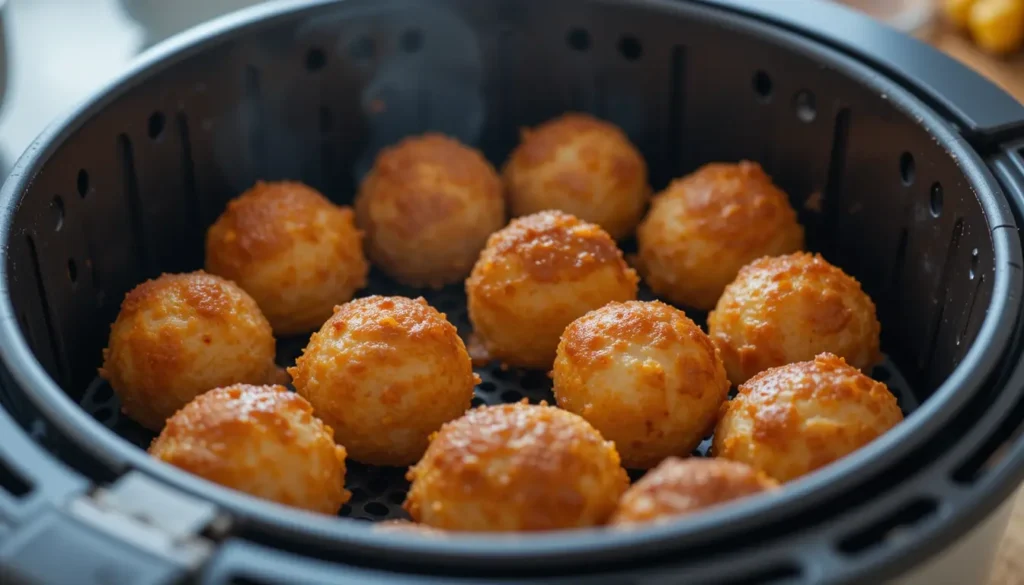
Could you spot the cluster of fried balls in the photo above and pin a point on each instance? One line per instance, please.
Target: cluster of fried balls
(387, 380)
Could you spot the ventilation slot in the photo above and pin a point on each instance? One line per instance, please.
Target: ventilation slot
(247, 581)
(130, 188)
(961, 337)
(775, 574)
(944, 283)
(676, 108)
(836, 171)
(188, 173)
(12, 482)
(888, 528)
(58, 355)
(254, 118)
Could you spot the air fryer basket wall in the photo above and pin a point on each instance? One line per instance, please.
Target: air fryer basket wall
(125, 188)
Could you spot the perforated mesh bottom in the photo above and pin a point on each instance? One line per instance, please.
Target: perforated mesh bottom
(378, 492)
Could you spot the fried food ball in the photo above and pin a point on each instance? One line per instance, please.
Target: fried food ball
(516, 467)
(793, 419)
(957, 11)
(645, 375)
(261, 440)
(180, 335)
(677, 487)
(537, 275)
(791, 308)
(997, 26)
(385, 373)
(427, 207)
(581, 165)
(294, 251)
(707, 225)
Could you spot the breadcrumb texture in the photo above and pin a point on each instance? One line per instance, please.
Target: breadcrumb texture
(537, 275)
(293, 250)
(645, 375)
(261, 440)
(179, 335)
(791, 420)
(385, 373)
(516, 467)
(581, 165)
(790, 308)
(428, 206)
(677, 487)
(707, 225)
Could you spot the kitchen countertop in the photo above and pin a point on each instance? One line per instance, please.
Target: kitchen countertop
(54, 61)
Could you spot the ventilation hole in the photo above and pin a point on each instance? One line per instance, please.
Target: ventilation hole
(376, 509)
(156, 124)
(57, 207)
(534, 381)
(630, 48)
(412, 40)
(908, 170)
(781, 572)
(805, 107)
(103, 394)
(487, 387)
(359, 494)
(346, 510)
(72, 271)
(881, 373)
(13, 483)
(324, 120)
(888, 528)
(511, 396)
(377, 486)
(935, 199)
(315, 59)
(103, 414)
(763, 86)
(83, 182)
(363, 49)
(974, 264)
(476, 401)
(578, 39)
(504, 374)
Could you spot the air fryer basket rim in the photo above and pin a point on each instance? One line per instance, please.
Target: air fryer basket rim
(113, 451)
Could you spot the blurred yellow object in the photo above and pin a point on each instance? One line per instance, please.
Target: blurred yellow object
(997, 25)
(958, 11)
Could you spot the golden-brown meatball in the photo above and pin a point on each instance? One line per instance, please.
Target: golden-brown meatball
(294, 251)
(536, 276)
(788, 309)
(385, 373)
(180, 335)
(261, 440)
(682, 486)
(516, 467)
(582, 166)
(427, 207)
(706, 226)
(645, 376)
(793, 419)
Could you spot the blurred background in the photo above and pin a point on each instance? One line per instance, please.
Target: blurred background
(58, 51)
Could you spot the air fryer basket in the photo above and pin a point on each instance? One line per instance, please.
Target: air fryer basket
(892, 167)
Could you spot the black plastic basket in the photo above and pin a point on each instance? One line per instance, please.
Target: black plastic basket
(913, 156)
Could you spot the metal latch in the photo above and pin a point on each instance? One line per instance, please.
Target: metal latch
(141, 511)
